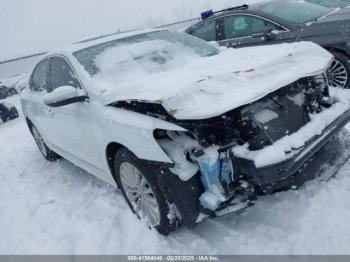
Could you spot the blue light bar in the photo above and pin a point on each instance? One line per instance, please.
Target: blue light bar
(207, 14)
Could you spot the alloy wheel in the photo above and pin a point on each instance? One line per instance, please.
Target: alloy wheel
(337, 74)
(139, 193)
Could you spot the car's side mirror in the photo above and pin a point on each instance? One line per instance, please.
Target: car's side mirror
(64, 95)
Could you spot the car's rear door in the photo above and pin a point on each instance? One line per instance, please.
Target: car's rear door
(240, 30)
(32, 101)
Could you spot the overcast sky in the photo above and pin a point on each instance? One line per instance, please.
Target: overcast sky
(29, 26)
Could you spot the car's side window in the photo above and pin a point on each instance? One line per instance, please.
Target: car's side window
(237, 26)
(61, 74)
(206, 31)
(39, 80)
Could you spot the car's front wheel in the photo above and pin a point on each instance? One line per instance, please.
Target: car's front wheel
(43, 148)
(146, 197)
(339, 71)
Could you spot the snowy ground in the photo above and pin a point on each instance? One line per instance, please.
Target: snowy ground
(57, 208)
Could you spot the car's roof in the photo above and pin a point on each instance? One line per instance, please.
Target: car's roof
(251, 8)
(96, 40)
(255, 7)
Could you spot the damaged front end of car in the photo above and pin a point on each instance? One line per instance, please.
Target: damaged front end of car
(222, 164)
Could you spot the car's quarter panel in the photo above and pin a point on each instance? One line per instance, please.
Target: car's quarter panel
(35, 109)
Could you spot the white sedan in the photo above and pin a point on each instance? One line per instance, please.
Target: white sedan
(185, 129)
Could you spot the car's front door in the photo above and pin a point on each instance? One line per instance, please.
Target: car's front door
(241, 30)
(72, 124)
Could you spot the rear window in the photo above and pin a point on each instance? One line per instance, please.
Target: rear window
(296, 12)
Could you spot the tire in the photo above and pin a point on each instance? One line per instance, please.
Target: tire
(13, 113)
(127, 165)
(6, 116)
(339, 71)
(43, 148)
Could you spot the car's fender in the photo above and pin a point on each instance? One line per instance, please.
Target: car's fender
(135, 132)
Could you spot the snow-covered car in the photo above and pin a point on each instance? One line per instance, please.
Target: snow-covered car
(7, 112)
(185, 129)
(6, 91)
(13, 85)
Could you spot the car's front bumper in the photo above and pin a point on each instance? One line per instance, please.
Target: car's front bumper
(289, 173)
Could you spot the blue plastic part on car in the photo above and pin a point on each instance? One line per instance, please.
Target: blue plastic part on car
(215, 173)
(207, 14)
(226, 173)
(210, 173)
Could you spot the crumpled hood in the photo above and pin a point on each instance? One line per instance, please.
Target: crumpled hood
(211, 86)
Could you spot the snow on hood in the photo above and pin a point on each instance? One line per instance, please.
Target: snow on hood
(210, 86)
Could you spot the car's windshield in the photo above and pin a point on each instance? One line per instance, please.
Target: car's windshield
(331, 3)
(141, 55)
(296, 12)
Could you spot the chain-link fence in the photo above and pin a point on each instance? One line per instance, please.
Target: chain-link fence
(11, 70)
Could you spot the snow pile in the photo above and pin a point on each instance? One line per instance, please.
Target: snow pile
(213, 85)
(288, 146)
(176, 148)
(265, 116)
(212, 197)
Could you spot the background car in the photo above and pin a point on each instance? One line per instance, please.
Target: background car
(6, 91)
(331, 3)
(7, 112)
(283, 21)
